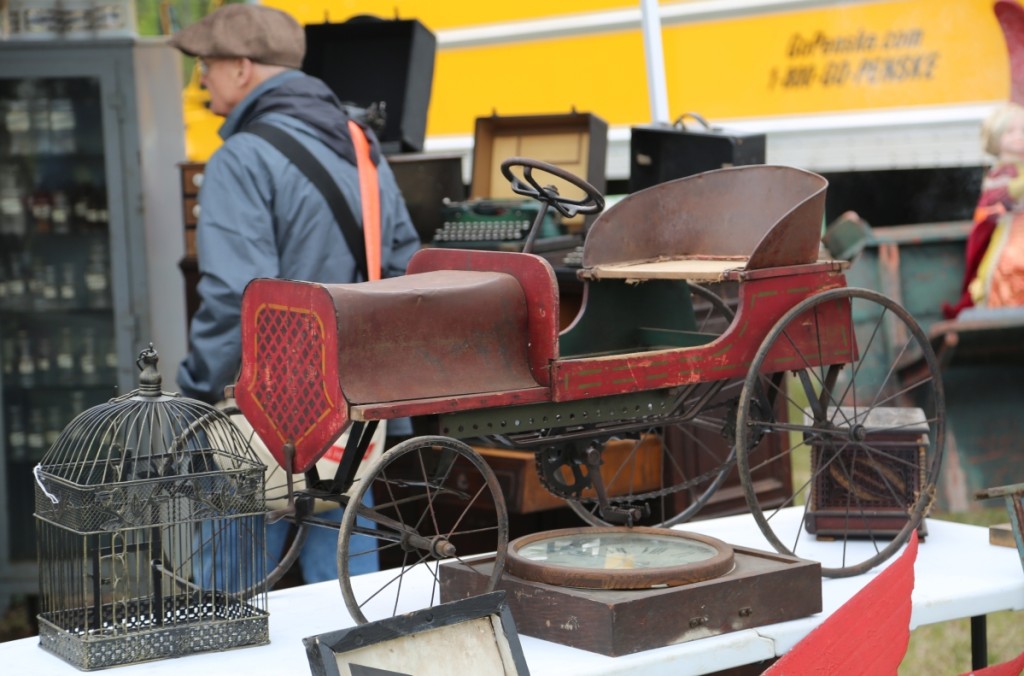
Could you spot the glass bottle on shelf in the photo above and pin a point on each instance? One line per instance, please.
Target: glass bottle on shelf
(16, 438)
(10, 359)
(41, 206)
(62, 120)
(17, 286)
(44, 362)
(87, 361)
(39, 114)
(68, 286)
(26, 361)
(65, 357)
(103, 214)
(13, 219)
(97, 280)
(50, 287)
(80, 209)
(92, 209)
(18, 121)
(35, 285)
(60, 214)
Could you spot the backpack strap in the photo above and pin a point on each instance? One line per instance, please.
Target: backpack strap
(369, 192)
(356, 238)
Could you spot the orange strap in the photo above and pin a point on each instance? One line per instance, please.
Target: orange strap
(369, 193)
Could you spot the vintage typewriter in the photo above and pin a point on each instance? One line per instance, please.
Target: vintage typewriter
(499, 225)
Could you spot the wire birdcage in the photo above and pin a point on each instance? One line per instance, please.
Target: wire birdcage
(151, 536)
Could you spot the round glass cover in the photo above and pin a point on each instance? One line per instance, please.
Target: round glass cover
(618, 558)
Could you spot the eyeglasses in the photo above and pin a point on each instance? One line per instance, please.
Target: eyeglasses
(204, 67)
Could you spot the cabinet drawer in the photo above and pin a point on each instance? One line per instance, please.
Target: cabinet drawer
(191, 209)
(191, 178)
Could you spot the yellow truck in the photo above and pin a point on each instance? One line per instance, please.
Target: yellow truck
(837, 86)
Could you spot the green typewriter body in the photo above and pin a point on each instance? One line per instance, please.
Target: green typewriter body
(499, 225)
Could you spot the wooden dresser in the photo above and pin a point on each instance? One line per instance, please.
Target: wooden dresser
(191, 180)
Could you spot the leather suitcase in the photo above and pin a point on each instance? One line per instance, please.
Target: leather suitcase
(663, 152)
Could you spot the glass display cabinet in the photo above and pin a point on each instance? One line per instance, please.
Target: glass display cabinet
(90, 136)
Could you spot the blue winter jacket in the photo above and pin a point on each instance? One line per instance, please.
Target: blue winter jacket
(261, 217)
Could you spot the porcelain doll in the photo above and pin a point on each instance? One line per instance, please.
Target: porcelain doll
(994, 265)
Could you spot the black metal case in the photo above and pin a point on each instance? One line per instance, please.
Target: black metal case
(663, 152)
(368, 61)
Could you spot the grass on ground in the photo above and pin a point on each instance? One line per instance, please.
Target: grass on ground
(944, 649)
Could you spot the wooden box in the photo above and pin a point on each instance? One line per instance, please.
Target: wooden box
(854, 496)
(524, 493)
(575, 142)
(763, 588)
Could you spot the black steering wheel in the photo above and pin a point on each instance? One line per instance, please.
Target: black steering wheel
(528, 186)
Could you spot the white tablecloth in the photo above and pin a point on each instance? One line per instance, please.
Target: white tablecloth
(958, 574)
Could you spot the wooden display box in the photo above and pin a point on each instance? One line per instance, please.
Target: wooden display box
(866, 505)
(763, 588)
(575, 142)
(524, 493)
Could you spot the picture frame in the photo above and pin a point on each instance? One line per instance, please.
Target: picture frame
(472, 635)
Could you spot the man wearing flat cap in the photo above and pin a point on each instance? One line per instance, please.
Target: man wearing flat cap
(260, 216)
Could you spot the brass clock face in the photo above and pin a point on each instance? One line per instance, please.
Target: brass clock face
(618, 558)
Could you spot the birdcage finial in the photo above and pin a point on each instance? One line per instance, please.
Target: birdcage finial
(150, 381)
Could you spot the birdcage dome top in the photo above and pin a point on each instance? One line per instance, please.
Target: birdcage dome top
(146, 434)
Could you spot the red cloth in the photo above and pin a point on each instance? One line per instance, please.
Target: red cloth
(867, 636)
(995, 201)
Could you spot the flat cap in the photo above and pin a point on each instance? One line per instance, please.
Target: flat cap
(262, 34)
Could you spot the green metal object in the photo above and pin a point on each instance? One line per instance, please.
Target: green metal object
(1014, 497)
(922, 266)
(919, 266)
(624, 317)
(533, 417)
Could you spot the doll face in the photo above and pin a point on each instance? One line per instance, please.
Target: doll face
(1011, 143)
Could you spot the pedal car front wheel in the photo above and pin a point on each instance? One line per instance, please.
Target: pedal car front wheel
(434, 498)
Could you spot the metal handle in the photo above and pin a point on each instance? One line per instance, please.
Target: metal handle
(39, 480)
(700, 118)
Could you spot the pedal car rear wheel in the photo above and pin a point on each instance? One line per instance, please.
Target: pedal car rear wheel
(434, 498)
(849, 383)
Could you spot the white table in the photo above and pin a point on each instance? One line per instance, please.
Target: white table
(958, 574)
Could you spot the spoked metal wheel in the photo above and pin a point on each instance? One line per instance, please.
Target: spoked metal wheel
(671, 471)
(849, 380)
(434, 498)
(292, 531)
(221, 546)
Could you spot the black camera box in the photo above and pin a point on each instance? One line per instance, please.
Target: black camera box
(663, 152)
(367, 60)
